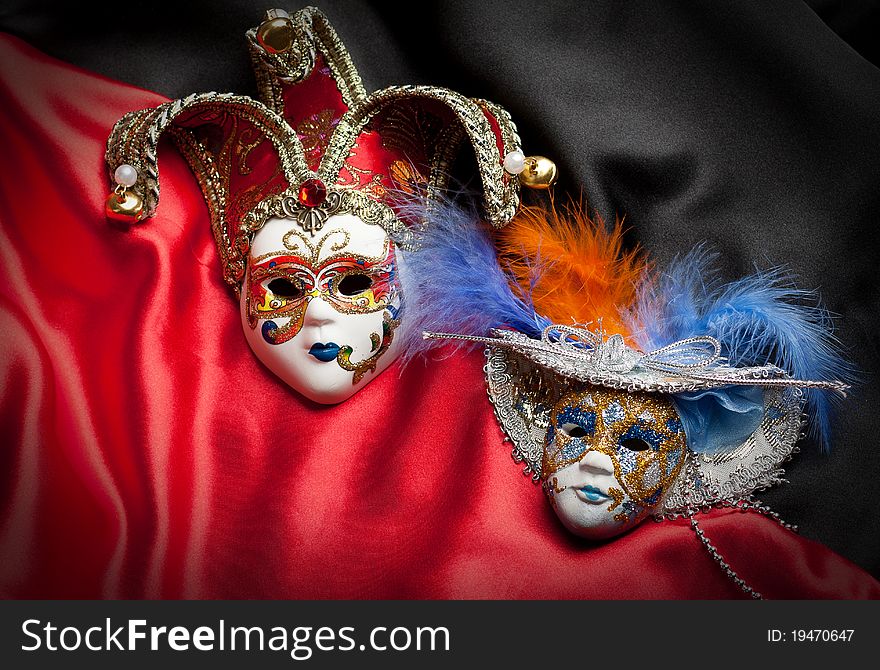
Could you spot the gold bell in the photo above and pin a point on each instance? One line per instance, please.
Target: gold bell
(275, 34)
(539, 172)
(126, 206)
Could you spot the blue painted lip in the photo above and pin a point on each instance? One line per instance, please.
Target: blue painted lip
(592, 494)
(324, 352)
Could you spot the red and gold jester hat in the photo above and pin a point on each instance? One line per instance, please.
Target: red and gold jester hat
(317, 145)
(318, 148)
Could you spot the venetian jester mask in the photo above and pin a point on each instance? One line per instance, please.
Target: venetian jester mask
(304, 190)
(322, 312)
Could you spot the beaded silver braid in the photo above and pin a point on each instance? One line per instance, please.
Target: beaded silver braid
(719, 559)
(745, 505)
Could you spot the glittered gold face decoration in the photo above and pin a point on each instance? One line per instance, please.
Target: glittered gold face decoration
(609, 456)
(281, 284)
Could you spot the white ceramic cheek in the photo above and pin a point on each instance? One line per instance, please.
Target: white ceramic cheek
(323, 381)
(588, 518)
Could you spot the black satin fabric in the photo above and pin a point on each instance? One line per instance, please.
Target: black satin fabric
(751, 126)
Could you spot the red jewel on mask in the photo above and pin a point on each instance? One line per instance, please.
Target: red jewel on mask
(312, 193)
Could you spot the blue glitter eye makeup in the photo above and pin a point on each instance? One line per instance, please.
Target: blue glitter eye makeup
(636, 439)
(574, 430)
(635, 444)
(640, 438)
(576, 422)
(640, 434)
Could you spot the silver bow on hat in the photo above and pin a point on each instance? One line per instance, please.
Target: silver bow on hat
(584, 355)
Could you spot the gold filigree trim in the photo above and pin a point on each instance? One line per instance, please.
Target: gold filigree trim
(312, 34)
(341, 201)
(500, 199)
(135, 138)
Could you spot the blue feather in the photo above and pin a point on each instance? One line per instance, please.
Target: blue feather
(758, 320)
(454, 283)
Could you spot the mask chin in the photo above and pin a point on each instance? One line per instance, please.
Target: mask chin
(316, 371)
(591, 503)
(593, 522)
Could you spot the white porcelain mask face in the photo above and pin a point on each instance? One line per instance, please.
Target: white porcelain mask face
(320, 312)
(609, 457)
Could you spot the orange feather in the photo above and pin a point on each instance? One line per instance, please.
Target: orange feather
(574, 268)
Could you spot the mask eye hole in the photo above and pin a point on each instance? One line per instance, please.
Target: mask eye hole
(573, 430)
(635, 444)
(284, 288)
(354, 284)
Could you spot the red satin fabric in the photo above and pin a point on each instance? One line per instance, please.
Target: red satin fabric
(147, 454)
